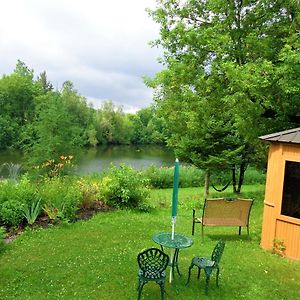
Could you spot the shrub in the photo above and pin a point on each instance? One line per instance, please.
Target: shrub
(89, 190)
(124, 187)
(60, 198)
(2, 237)
(14, 198)
(189, 176)
(11, 213)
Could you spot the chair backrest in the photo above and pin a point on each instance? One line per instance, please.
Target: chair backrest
(217, 252)
(220, 211)
(152, 262)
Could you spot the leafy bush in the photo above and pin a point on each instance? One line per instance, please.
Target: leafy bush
(13, 199)
(163, 177)
(2, 237)
(124, 187)
(89, 190)
(11, 213)
(190, 176)
(60, 198)
(254, 176)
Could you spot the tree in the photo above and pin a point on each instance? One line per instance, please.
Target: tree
(17, 94)
(148, 127)
(43, 84)
(53, 133)
(80, 113)
(223, 59)
(112, 125)
(22, 70)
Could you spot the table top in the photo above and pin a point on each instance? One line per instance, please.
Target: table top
(165, 239)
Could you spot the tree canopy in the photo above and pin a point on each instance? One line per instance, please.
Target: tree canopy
(231, 69)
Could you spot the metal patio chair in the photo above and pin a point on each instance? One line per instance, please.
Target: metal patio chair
(208, 264)
(152, 265)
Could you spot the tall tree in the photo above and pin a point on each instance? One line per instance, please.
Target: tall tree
(53, 132)
(43, 84)
(223, 54)
(112, 125)
(17, 92)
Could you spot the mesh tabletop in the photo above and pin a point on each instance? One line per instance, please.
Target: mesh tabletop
(165, 239)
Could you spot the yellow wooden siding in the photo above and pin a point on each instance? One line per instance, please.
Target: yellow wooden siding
(268, 228)
(289, 234)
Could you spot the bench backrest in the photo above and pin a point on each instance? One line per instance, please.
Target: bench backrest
(221, 212)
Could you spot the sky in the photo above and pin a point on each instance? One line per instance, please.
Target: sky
(102, 46)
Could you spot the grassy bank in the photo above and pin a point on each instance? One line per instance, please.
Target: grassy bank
(96, 259)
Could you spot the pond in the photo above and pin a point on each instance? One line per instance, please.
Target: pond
(100, 158)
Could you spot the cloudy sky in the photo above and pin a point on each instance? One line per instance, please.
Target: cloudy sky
(100, 45)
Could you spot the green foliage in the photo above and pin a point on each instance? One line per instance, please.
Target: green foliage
(60, 198)
(11, 213)
(54, 133)
(112, 125)
(228, 65)
(13, 199)
(124, 187)
(89, 190)
(31, 212)
(16, 108)
(148, 127)
(2, 237)
(190, 176)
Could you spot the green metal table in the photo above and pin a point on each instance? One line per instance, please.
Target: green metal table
(180, 241)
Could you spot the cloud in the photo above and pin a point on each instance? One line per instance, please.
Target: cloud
(101, 46)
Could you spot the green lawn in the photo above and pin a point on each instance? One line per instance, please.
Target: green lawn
(96, 259)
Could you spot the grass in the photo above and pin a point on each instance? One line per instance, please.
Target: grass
(96, 259)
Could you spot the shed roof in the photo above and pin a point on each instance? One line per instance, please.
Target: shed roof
(288, 136)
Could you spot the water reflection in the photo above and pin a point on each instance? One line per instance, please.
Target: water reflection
(97, 159)
(100, 158)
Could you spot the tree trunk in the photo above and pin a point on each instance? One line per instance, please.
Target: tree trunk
(206, 183)
(234, 179)
(243, 168)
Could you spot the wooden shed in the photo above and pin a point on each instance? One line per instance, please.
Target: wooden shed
(281, 218)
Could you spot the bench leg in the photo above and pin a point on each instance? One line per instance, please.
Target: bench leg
(193, 227)
(240, 229)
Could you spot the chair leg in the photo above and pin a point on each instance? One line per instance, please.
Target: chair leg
(199, 270)
(190, 269)
(140, 287)
(162, 290)
(207, 273)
